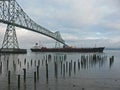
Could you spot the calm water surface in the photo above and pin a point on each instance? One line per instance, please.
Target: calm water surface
(61, 71)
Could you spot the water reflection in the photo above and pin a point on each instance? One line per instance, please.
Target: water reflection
(49, 67)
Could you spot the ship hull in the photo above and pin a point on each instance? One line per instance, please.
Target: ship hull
(82, 50)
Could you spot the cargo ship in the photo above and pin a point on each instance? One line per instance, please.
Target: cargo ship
(67, 49)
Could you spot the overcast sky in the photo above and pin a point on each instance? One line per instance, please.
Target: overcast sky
(82, 23)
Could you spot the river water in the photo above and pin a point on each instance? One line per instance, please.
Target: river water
(61, 71)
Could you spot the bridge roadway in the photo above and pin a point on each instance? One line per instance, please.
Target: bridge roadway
(20, 19)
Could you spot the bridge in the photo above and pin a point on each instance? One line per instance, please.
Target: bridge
(13, 15)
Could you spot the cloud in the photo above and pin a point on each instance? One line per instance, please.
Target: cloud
(74, 13)
(113, 25)
(81, 21)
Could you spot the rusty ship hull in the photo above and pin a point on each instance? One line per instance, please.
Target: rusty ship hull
(82, 50)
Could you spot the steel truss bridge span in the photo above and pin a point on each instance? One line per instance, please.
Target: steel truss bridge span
(13, 15)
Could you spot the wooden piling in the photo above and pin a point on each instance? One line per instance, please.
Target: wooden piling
(46, 71)
(24, 75)
(61, 67)
(74, 67)
(38, 62)
(24, 61)
(7, 64)
(1, 64)
(71, 65)
(112, 57)
(35, 63)
(56, 69)
(34, 77)
(42, 62)
(69, 69)
(63, 70)
(78, 65)
(18, 81)
(20, 64)
(28, 65)
(66, 66)
(31, 62)
(37, 72)
(46, 57)
(18, 61)
(9, 77)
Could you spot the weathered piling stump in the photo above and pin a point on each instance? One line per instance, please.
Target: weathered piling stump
(31, 62)
(55, 69)
(28, 65)
(46, 57)
(111, 61)
(71, 65)
(38, 62)
(66, 66)
(24, 61)
(74, 67)
(61, 67)
(69, 69)
(94, 56)
(7, 64)
(8, 77)
(49, 57)
(63, 70)
(20, 64)
(79, 65)
(1, 68)
(24, 75)
(1, 64)
(46, 71)
(112, 57)
(18, 61)
(35, 77)
(35, 63)
(42, 62)
(37, 72)
(18, 81)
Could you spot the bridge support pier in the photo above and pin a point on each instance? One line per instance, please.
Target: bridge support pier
(10, 43)
(13, 51)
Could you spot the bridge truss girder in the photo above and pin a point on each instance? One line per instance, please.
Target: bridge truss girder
(10, 38)
(13, 15)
